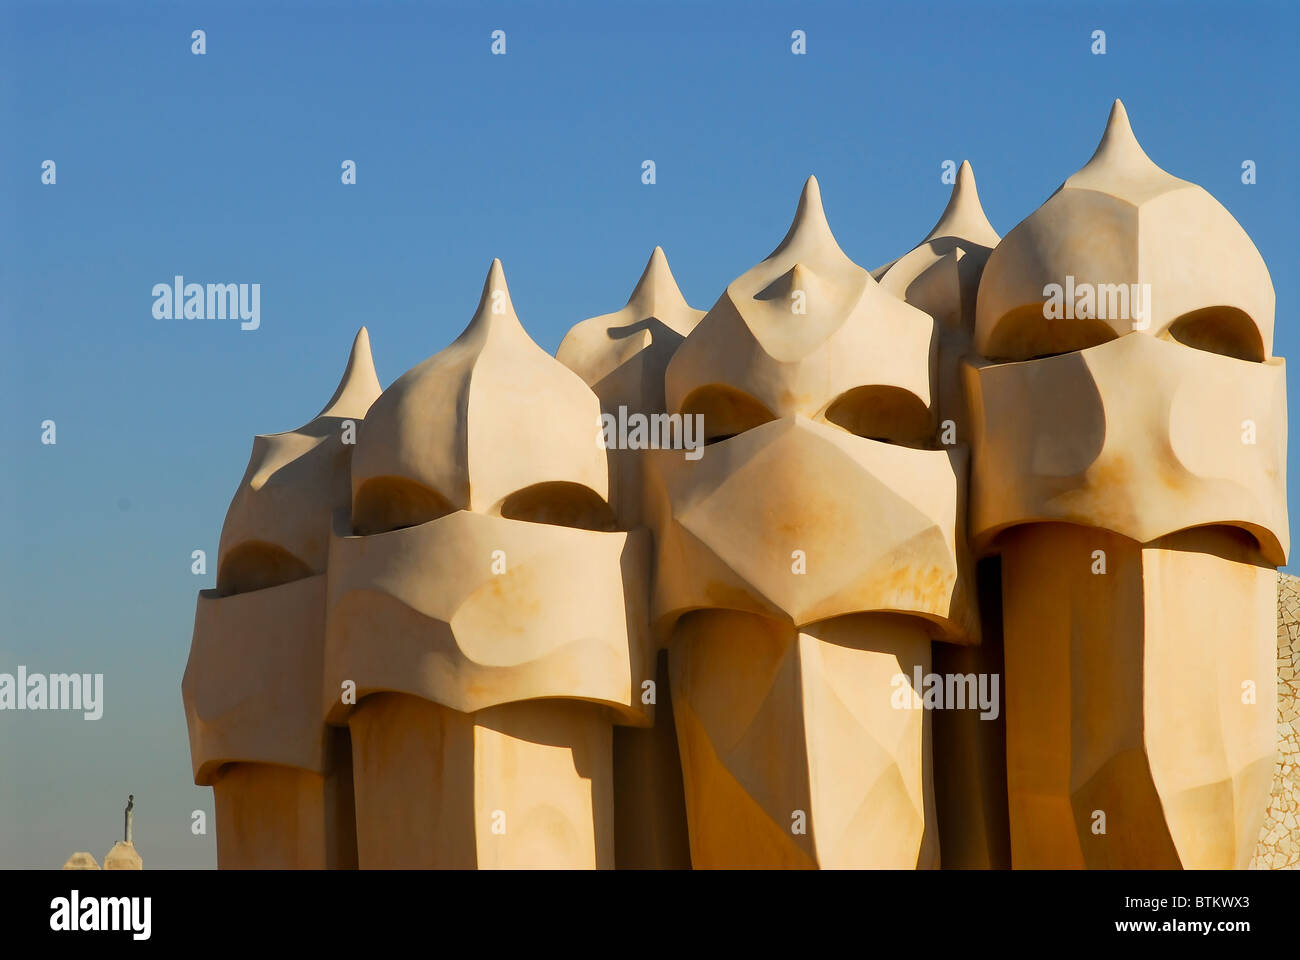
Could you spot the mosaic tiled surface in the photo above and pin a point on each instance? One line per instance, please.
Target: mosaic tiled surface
(1279, 840)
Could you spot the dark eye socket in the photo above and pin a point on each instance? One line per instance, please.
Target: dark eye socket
(1025, 334)
(1223, 330)
(727, 412)
(561, 504)
(885, 413)
(256, 565)
(391, 503)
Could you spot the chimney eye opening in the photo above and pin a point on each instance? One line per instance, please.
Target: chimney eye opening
(257, 565)
(393, 503)
(886, 414)
(1026, 334)
(727, 412)
(1223, 330)
(562, 504)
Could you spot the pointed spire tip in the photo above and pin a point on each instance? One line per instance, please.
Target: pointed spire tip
(496, 279)
(964, 215)
(656, 281)
(1118, 121)
(359, 385)
(1118, 143)
(810, 211)
(495, 303)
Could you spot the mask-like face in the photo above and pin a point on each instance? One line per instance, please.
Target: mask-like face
(822, 495)
(1157, 405)
(798, 492)
(815, 391)
(282, 779)
(1129, 464)
(1139, 435)
(486, 610)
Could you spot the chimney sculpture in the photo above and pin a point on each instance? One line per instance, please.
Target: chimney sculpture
(282, 780)
(804, 563)
(462, 622)
(622, 356)
(941, 276)
(485, 611)
(1129, 463)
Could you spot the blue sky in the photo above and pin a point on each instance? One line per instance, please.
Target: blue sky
(226, 168)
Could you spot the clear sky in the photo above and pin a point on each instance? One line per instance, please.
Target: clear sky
(226, 168)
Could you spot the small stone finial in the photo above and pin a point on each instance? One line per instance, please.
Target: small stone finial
(809, 229)
(810, 202)
(964, 216)
(130, 817)
(495, 302)
(657, 290)
(359, 385)
(1119, 146)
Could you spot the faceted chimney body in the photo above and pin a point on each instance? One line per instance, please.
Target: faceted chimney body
(805, 561)
(487, 609)
(1129, 467)
(282, 779)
